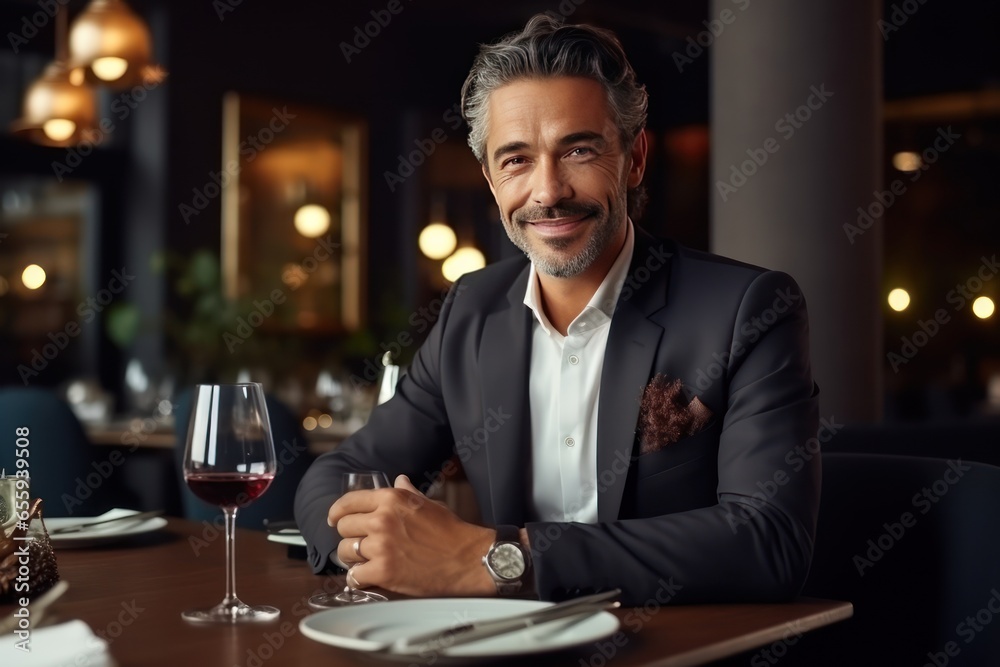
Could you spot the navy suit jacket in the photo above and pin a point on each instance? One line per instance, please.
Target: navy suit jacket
(725, 514)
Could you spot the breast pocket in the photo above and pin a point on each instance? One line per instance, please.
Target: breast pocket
(681, 477)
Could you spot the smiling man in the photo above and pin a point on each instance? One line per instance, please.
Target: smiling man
(623, 407)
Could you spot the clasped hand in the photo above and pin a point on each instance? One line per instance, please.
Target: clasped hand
(410, 544)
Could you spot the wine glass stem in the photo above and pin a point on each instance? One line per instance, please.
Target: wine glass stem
(230, 513)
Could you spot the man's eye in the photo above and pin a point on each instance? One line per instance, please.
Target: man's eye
(582, 150)
(512, 162)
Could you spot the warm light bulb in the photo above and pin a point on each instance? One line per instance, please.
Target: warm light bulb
(899, 299)
(312, 220)
(109, 68)
(33, 276)
(983, 307)
(437, 240)
(906, 161)
(77, 76)
(463, 261)
(59, 129)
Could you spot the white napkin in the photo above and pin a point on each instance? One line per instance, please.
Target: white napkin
(69, 643)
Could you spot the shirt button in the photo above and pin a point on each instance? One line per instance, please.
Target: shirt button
(573, 359)
(570, 442)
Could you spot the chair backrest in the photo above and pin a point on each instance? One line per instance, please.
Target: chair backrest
(65, 469)
(914, 544)
(277, 503)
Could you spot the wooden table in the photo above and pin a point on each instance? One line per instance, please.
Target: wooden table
(132, 595)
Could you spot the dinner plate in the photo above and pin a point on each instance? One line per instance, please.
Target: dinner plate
(368, 627)
(108, 533)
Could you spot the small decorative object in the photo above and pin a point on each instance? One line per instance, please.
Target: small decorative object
(26, 543)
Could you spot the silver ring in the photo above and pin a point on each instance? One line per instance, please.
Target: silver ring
(357, 548)
(351, 581)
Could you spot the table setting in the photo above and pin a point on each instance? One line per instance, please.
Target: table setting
(128, 587)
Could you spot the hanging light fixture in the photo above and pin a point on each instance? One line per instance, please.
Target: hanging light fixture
(59, 108)
(112, 46)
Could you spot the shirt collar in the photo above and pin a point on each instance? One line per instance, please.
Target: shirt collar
(601, 306)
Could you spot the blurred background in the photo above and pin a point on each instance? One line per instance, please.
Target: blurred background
(283, 192)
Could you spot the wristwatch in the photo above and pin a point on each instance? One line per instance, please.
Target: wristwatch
(507, 561)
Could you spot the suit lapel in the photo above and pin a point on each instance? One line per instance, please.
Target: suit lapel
(628, 362)
(505, 360)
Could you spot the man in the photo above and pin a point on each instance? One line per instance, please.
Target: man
(626, 410)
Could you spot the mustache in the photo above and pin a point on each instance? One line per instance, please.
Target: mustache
(525, 215)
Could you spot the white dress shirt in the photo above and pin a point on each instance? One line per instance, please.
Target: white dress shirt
(564, 391)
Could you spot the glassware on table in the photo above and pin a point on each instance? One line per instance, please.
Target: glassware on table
(353, 481)
(229, 461)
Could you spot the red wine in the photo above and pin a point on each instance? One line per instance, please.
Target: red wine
(228, 489)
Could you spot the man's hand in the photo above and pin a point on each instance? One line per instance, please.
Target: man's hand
(409, 544)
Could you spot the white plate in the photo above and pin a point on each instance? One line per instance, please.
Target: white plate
(100, 535)
(367, 627)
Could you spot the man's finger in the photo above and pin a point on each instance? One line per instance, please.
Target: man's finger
(403, 482)
(352, 502)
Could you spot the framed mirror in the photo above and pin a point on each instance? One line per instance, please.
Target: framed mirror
(294, 214)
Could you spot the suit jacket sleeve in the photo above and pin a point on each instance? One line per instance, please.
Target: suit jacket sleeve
(756, 542)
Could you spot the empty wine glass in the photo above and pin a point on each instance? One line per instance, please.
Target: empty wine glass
(229, 461)
(353, 481)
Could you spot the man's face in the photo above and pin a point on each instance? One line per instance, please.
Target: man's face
(559, 173)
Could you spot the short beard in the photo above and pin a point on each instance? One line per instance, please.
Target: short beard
(605, 226)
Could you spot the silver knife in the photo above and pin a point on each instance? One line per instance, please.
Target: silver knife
(437, 640)
(141, 516)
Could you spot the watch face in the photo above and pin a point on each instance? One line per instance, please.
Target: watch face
(507, 561)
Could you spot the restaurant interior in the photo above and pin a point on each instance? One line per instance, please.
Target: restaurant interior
(284, 194)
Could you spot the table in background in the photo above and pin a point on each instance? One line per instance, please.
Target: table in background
(134, 594)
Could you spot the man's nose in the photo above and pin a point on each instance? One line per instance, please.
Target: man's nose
(550, 183)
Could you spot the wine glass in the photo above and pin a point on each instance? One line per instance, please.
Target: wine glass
(229, 461)
(353, 481)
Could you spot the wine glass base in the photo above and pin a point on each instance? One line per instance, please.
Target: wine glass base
(237, 613)
(331, 600)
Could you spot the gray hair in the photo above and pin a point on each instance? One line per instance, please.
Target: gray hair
(546, 48)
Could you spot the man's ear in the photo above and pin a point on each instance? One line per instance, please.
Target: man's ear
(638, 155)
(489, 179)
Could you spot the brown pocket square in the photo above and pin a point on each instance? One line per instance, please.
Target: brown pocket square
(667, 414)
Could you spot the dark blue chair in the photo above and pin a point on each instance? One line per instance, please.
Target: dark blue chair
(73, 477)
(914, 544)
(277, 503)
